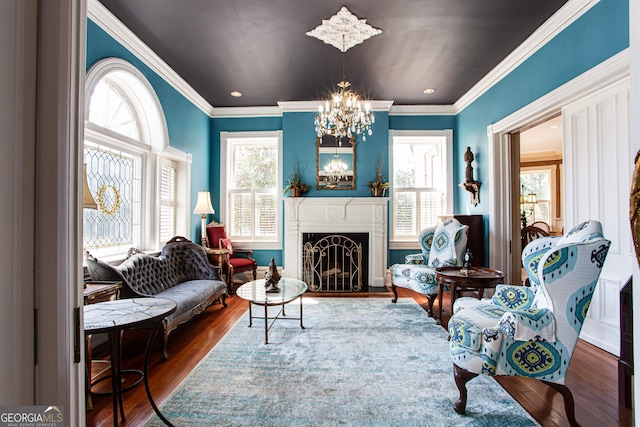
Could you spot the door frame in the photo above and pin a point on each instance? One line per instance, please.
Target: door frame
(503, 193)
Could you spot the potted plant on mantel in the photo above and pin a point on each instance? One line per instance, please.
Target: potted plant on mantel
(295, 187)
(378, 186)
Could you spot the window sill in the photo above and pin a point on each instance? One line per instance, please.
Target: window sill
(404, 245)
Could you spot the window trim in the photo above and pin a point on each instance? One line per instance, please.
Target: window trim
(447, 154)
(225, 155)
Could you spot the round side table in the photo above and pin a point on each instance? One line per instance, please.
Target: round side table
(477, 279)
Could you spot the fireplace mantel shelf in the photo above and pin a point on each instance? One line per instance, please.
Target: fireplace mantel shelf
(339, 215)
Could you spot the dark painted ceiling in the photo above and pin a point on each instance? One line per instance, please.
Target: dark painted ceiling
(259, 47)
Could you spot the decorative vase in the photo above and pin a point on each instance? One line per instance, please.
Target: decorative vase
(295, 192)
(377, 191)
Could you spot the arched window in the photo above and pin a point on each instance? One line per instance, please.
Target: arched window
(132, 173)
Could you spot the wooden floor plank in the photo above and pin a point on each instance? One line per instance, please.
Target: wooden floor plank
(592, 375)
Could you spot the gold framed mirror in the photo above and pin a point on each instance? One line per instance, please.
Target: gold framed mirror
(335, 163)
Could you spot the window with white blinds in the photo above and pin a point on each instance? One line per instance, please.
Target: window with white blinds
(252, 180)
(167, 197)
(420, 182)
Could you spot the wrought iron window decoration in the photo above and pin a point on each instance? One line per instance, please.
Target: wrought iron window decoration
(469, 183)
(344, 115)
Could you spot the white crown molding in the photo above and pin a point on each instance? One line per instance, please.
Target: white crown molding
(564, 17)
(246, 112)
(307, 106)
(422, 110)
(122, 34)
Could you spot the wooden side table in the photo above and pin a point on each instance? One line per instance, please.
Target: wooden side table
(478, 279)
(220, 257)
(94, 292)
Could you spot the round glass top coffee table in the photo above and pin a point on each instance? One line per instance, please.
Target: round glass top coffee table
(255, 293)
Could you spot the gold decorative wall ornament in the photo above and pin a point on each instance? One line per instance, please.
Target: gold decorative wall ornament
(108, 193)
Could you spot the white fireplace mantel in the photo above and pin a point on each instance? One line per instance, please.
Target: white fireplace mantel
(336, 215)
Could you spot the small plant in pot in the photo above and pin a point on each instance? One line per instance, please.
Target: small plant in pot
(378, 186)
(295, 187)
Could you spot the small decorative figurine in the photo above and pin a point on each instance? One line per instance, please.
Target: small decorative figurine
(272, 277)
(466, 264)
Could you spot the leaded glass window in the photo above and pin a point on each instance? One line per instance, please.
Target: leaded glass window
(113, 178)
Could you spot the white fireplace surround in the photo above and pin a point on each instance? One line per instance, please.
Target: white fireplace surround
(336, 215)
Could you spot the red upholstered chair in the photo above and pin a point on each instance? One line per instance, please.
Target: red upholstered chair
(238, 260)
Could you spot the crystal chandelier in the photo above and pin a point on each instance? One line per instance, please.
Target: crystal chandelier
(344, 115)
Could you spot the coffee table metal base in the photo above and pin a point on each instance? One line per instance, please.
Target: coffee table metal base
(281, 315)
(288, 290)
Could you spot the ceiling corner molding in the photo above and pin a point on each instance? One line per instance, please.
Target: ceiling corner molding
(245, 112)
(422, 110)
(308, 106)
(123, 35)
(615, 68)
(564, 17)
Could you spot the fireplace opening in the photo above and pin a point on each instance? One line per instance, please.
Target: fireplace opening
(335, 262)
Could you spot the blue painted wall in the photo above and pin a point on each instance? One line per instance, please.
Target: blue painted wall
(187, 125)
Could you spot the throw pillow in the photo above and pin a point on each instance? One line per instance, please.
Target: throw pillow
(226, 244)
(443, 248)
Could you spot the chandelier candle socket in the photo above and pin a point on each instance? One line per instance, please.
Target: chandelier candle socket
(345, 115)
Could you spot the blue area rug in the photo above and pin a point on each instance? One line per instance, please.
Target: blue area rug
(359, 362)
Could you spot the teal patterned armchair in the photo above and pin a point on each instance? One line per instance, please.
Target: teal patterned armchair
(442, 245)
(531, 331)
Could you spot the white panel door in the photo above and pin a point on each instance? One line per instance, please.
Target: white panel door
(598, 169)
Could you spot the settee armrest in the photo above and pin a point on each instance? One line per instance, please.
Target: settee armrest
(513, 297)
(414, 259)
(529, 324)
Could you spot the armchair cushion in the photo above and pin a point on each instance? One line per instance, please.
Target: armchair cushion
(443, 248)
(513, 297)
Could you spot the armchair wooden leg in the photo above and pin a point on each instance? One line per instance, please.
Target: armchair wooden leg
(569, 405)
(255, 273)
(394, 290)
(431, 298)
(461, 378)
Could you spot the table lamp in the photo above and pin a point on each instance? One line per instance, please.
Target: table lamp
(203, 207)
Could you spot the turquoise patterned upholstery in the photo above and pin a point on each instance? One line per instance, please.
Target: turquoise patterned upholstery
(442, 245)
(531, 332)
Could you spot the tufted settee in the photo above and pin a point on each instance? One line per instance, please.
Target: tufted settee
(181, 273)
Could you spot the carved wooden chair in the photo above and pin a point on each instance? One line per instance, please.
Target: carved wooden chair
(531, 332)
(238, 260)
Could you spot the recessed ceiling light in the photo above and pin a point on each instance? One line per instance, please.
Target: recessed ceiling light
(555, 127)
(236, 94)
(428, 91)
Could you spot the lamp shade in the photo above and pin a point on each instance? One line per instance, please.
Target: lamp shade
(203, 206)
(88, 202)
(532, 198)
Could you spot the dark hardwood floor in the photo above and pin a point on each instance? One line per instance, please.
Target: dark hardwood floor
(592, 375)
